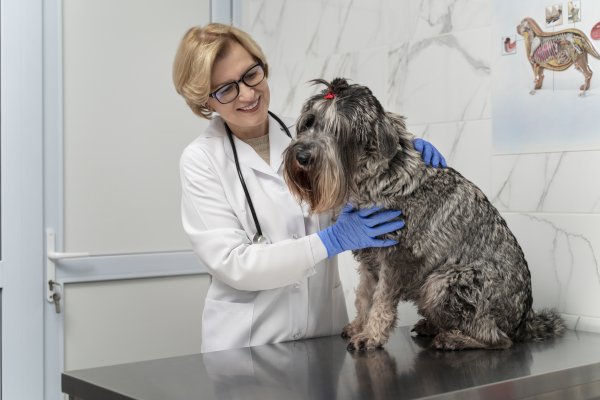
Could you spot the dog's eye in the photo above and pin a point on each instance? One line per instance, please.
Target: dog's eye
(306, 122)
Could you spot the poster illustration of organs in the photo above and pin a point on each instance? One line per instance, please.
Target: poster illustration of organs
(545, 76)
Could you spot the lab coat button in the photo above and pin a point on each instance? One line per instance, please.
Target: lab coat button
(295, 236)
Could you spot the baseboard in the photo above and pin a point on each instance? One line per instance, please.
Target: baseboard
(582, 323)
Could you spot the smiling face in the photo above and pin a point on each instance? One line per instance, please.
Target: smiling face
(247, 115)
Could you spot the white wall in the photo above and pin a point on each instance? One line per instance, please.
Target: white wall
(431, 61)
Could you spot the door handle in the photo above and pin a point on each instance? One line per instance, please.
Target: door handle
(53, 258)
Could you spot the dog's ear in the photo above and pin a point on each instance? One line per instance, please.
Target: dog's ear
(387, 138)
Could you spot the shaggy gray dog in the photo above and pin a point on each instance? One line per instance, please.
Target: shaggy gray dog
(456, 258)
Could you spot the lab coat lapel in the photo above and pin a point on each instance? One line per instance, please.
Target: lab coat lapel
(278, 141)
(246, 155)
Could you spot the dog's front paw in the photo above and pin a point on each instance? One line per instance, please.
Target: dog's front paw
(362, 342)
(350, 330)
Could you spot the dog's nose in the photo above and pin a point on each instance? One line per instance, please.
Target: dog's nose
(303, 157)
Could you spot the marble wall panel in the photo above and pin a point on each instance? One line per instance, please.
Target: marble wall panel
(563, 252)
(438, 17)
(465, 146)
(444, 78)
(430, 60)
(547, 182)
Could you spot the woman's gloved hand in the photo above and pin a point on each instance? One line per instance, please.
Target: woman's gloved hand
(358, 229)
(430, 154)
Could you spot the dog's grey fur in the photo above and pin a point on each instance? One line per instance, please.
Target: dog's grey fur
(456, 258)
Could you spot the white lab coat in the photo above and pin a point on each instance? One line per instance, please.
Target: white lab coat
(260, 293)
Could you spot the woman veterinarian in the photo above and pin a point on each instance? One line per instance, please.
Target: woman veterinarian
(285, 284)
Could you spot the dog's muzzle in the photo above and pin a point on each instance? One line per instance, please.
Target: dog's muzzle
(314, 173)
(303, 154)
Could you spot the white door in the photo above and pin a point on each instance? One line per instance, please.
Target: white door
(21, 193)
(114, 130)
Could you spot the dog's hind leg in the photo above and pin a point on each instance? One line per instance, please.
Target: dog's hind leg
(455, 340)
(364, 297)
(425, 328)
(452, 298)
(381, 316)
(483, 335)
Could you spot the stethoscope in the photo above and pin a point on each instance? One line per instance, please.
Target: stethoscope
(258, 237)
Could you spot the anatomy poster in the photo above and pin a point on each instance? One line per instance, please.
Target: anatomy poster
(546, 75)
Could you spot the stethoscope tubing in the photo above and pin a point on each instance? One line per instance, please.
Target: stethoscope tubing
(258, 238)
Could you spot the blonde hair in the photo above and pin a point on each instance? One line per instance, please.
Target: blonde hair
(196, 56)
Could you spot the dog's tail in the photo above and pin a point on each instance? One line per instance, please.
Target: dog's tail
(540, 325)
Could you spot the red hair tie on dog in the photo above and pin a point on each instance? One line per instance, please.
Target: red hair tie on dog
(330, 95)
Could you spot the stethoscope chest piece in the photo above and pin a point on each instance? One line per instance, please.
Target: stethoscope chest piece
(259, 239)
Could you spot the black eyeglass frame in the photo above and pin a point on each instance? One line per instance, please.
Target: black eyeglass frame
(213, 94)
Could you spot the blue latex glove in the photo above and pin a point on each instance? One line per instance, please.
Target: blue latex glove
(430, 154)
(358, 229)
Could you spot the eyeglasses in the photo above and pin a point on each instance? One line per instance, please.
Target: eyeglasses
(230, 91)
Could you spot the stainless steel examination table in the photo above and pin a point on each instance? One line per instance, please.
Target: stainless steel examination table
(563, 368)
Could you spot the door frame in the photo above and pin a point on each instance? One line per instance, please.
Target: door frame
(22, 199)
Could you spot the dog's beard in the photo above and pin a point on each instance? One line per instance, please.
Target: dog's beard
(323, 185)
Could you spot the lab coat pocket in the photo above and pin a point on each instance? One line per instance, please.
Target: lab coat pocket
(226, 325)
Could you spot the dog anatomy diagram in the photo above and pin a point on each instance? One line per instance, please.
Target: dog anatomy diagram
(556, 51)
(544, 94)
